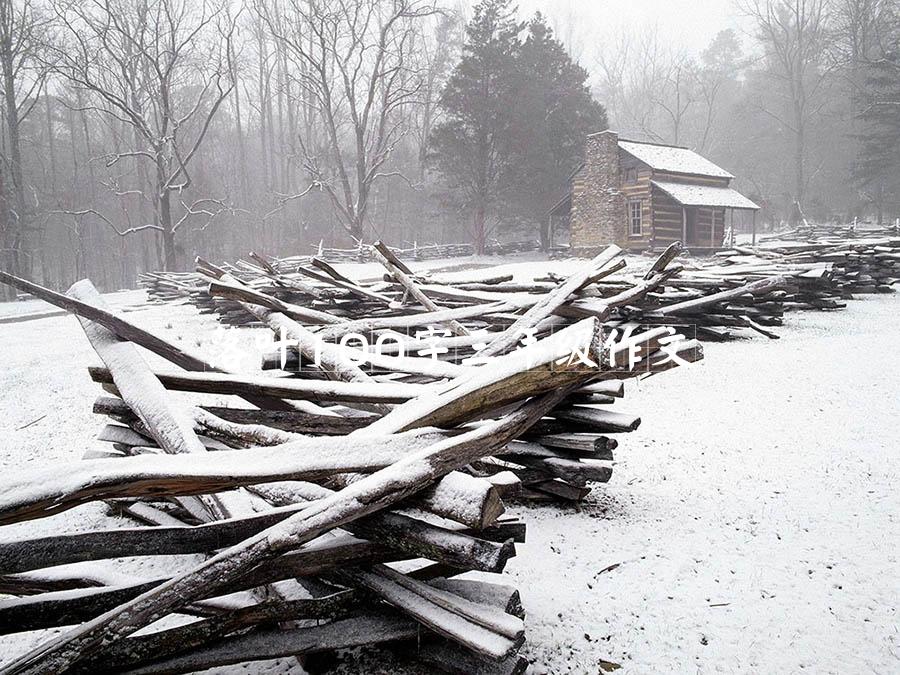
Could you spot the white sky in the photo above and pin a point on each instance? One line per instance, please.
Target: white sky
(691, 24)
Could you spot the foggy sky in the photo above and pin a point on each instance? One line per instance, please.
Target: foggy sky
(691, 24)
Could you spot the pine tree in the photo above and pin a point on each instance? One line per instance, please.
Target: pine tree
(516, 114)
(472, 145)
(878, 167)
(554, 113)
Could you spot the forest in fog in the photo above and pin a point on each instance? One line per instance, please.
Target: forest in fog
(137, 134)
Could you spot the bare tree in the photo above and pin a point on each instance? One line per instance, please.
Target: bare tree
(720, 65)
(23, 73)
(675, 93)
(794, 35)
(612, 65)
(161, 70)
(353, 62)
(436, 52)
(862, 29)
(648, 87)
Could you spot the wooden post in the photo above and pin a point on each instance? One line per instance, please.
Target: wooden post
(753, 241)
(684, 225)
(731, 227)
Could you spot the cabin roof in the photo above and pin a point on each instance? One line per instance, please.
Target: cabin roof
(705, 195)
(672, 158)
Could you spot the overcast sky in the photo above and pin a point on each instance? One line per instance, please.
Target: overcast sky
(691, 24)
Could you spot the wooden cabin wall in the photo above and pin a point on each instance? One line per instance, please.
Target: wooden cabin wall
(667, 219)
(710, 227)
(640, 189)
(667, 215)
(719, 226)
(661, 215)
(689, 179)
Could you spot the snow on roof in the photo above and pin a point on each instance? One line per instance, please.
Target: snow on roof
(674, 159)
(705, 195)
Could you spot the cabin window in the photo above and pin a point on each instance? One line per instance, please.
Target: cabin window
(635, 211)
(631, 176)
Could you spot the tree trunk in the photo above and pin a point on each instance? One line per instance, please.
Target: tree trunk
(479, 233)
(6, 292)
(879, 203)
(15, 221)
(239, 130)
(168, 234)
(799, 157)
(356, 227)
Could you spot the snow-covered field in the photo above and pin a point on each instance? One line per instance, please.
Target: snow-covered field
(751, 524)
(754, 515)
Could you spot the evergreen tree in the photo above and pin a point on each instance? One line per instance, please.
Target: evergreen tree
(878, 167)
(516, 113)
(554, 112)
(473, 144)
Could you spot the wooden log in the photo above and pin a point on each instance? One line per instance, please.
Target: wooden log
(508, 378)
(577, 472)
(234, 435)
(114, 433)
(544, 307)
(47, 551)
(333, 278)
(414, 320)
(287, 388)
(592, 446)
(295, 421)
(485, 630)
(60, 608)
(556, 489)
(402, 274)
(157, 646)
(498, 595)
(170, 426)
(197, 642)
(671, 252)
(595, 445)
(332, 360)
(287, 282)
(449, 658)
(601, 307)
(458, 496)
(128, 331)
(373, 493)
(693, 306)
(273, 643)
(67, 607)
(616, 389)
(600, 420)
(37, 493)
(410, 535)
(233, 290)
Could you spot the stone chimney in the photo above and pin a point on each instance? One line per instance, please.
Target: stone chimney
(598, 207)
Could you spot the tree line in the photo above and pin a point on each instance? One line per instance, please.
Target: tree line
(806, 115)
(138, 133)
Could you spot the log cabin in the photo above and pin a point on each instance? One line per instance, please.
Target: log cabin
(644, 196)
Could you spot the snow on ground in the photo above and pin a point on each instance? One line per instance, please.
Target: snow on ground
(33, 306)
(753, 516)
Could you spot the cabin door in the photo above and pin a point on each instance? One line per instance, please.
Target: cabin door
(690, 225)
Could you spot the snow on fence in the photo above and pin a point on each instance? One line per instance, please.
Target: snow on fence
(355, 458)
(398, 458)
(712, 304)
